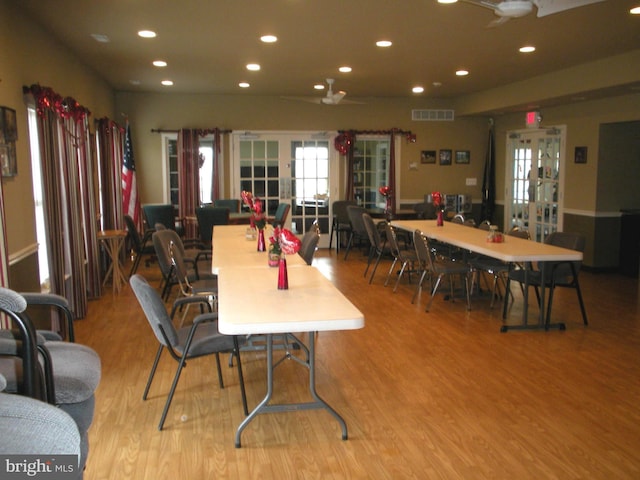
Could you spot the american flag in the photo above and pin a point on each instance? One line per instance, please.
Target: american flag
(130, 200)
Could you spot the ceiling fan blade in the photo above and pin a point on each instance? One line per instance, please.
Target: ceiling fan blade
(498, 21)
(316, 100)
(549, 7)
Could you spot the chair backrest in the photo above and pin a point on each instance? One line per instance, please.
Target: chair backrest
(392, 239)
(485, 225)
(355, 213)
(516, 232)
(570, 240)
(161, 240)
(458, 218)
(233, 204)
(309, 243)
(154, 310)
(423, 252)
(372, 231)
(160, 213)
(470, 222)
(208, 217)
(133, 233)
(280, 216)
(339, 209)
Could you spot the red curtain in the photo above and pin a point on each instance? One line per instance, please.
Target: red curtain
(188, 179)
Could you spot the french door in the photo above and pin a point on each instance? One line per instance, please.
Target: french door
(298, 168)
(535, 181)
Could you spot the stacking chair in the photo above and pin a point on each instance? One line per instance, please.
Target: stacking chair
(233, 204)
(205, 287)
(164, 214)
(358, 231)
(200, 339)
(407, 257)
(557, 274)
(340, 223)
(378, 247)
(496, 268)
(485, 225)
(310, 242)
(138, 245)
(458, 218)
(281, 214)
(208, 217)
(438, 268)
(161, 239)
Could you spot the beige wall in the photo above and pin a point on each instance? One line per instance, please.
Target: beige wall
(31, 56)
(245, 113)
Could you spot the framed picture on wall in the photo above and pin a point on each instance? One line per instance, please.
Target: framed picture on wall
(463, 156)
(445, 157)
(428, 156)
(580, 155)
(8, 159)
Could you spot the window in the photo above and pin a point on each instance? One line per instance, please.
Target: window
(38, 195)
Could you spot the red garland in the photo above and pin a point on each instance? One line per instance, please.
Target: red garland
(47, 99)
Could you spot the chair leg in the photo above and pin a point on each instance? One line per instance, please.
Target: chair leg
(419, 286)
(404, 265)
(136, 263)
(152, 372)
(375, 267)
(349, 243)
(181, 365)
(582, 309)
(433, 293)
(220, 380)
(393, 264)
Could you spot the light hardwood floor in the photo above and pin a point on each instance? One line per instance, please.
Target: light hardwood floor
(425, 395)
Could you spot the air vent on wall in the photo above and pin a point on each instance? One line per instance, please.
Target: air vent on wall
(431, 115)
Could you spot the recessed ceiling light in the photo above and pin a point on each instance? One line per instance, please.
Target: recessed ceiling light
(319, 86)
(134, 82)
(269, 38)
(345, 69)
(417, 89)
(447, 1)
(527, 49)
(167, 83)
(244, 85)
(254, 67)
(462, 73)
(437, 84)
(159, 63)
(98, 37)
(384, 43)
(147, 34)
(635, 11)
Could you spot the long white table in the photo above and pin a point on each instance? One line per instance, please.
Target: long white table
(512, 250)
(250, 303)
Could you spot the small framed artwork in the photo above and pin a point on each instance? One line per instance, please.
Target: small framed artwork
(8, 159)
(428, 156)
(580, 155)
(8, 127)
(445, 157)
(463, 156)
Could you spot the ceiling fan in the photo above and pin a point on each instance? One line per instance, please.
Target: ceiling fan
(508, 9)
(331, 98)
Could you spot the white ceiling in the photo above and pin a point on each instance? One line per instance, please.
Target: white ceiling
(207, 43)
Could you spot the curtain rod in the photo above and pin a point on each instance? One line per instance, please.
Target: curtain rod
(210, 130)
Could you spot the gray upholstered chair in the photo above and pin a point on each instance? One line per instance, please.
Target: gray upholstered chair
(233, 204)
(138, 244)
(280, 217)
(557, 274)
(200, 339)
(406, 257)
(65, 374)
(32, 427)
(340, 223)
(310, 242)
(439, 268)
(161, 240)
(378, 248)
(358, 231)
(208, 217)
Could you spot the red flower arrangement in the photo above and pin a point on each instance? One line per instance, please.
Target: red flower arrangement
(385, 191)
(438, 200)
(258, 218)
(284, 241)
